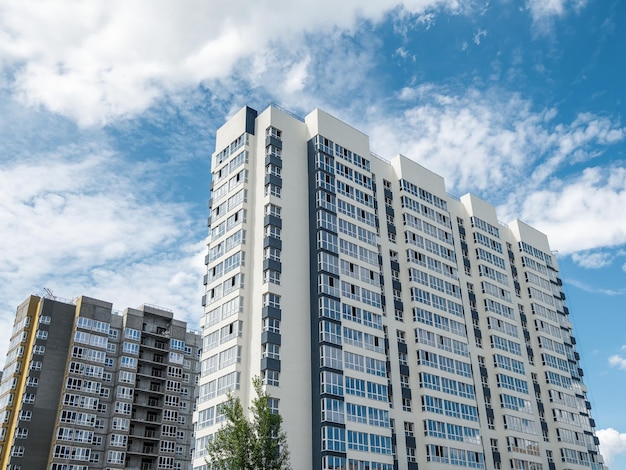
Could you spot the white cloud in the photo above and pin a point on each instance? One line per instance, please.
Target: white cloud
(56, 211)
(595, 290)
(296, 78)
(171, 280)
(612, 443)
(580, 213)
(402, 52)
(81, 221)
(571, 142)
(334, 66)
(472, 139)
(592, 260)
(427, 20)
(485, 141)
(497, 145)
(543, 12)
(481, 33)
(406, 21)
(617, 361)
(100, 62)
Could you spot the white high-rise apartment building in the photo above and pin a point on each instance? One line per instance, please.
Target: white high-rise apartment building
(396, 326)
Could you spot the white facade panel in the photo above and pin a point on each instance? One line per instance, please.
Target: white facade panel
(409, 328)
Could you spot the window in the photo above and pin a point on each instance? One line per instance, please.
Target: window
(331, 383)
(356, 413)
(380, 444)
(333, 439)
(127, 377)
(123, 408)
(272, 190)
(132, 334)
(356, 387)
(84, 323)
(118, 440)
(377, 391)
(271, 276)
(29, 398)
(403, 359)
(128, 362)
(116, 457)
(272, 209)
(271, 377)
(357, 441)
(168, 415)
(271, 300)
(375, 367)
(378, 417)
(101, 327)
(71, 400)
(62, 452)
(176, 358)
(272, 170)
(271, 351)
(271, 324)
(271, 253)
(273, 132)
(404, 381)
(354, 361)
(332, 410)
(121, 423)
(406, 404)
(330, 357)
(130, 348)
(228, 357)
(230, 331)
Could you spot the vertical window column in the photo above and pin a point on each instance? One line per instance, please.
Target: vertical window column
(272, 265)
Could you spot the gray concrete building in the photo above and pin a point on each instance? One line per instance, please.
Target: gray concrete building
(86, 387)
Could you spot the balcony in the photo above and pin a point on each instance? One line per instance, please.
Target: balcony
(147, 433)
(150, 372)
(150, 402)
(153, 358)
(142, 449)
(149, 343)
(156, 331)
(153, 387)
(149, 417)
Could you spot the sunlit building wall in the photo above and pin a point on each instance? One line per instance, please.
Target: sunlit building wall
(394, 325)
(85, 387)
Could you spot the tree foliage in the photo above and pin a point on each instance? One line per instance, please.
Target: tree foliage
(258, 443)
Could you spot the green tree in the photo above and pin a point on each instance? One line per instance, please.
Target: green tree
(256, 444)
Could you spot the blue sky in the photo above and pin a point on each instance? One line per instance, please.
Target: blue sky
(108, 111)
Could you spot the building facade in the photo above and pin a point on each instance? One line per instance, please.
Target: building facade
(395, 326)
(85, 387)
